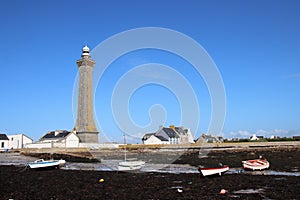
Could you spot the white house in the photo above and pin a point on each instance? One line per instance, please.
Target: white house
(71, 140)
(18, 141)
(57, 139)
(208, 138)
(185, 135)
(255, 137)
(3, 141)
(171, 135)
(150, 138)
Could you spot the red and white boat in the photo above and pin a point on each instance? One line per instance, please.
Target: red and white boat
(256, 164)
(206, 171)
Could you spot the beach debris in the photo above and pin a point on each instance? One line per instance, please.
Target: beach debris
(101, 180)
(223, 191)
(249, 191)
(179, 190)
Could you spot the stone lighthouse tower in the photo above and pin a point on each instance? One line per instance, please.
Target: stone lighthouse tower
(85, 123)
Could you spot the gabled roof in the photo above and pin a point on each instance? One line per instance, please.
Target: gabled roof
(206, 138)
(147, 136)
(52, 135)
(3, 136)
(161, 138)
(27, 137)
(18, 135)
(170, 132)
(165, 134)
(181, 130)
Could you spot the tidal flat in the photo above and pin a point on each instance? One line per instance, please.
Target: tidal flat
(20, 183)
(82, 184)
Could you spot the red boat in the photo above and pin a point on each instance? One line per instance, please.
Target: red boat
(206, 171)
(256, 164)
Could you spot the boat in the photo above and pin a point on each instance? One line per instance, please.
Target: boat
(207, 171)
(256, 164)
(129, 165)
(41, 163)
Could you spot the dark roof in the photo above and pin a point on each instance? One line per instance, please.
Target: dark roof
(161, 138)
(51, 135)
(3, 136)
(147, 136)
(181, 130)
(170, 132)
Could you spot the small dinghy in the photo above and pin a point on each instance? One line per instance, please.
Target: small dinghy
(130, 165)
(41, 163)
(256, 164)
(206, 171)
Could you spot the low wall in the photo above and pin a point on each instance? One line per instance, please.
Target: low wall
(39, 145)
(99, 145)
(111, 146)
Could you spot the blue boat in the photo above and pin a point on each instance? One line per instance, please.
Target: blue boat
(41, 163)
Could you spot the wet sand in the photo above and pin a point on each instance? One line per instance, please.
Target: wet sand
(285, 159)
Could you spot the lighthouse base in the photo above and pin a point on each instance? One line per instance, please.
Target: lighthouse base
(88, 137)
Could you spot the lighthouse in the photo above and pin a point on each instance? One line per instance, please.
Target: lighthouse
(85, 124)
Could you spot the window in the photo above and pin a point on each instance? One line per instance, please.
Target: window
(2, 144)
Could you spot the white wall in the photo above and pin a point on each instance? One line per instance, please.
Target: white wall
(26, 140)
(39, 145)
(154, 140)
(18, 141)
(3, 144)
(72, 140)
(99, 145)
(254, 137)
(190, 136)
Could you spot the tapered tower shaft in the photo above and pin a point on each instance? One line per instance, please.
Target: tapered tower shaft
(85, 123)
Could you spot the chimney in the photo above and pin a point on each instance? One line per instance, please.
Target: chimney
(56, 132)
(172, 127)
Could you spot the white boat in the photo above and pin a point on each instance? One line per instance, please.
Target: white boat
(128, 165)
(41, 163)
(206, 171)
(256, 164)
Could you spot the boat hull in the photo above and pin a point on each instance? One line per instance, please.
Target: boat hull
(130, 165)
(207, 171)
(38, 164)
(257, 164)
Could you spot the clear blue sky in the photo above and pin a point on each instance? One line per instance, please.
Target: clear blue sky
(254, 44)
